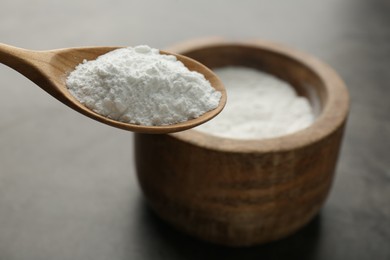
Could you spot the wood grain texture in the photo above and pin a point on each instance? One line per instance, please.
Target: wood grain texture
(242, 193)
(49, 69)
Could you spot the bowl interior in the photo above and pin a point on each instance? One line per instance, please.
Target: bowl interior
(306, 82)
(310, 77)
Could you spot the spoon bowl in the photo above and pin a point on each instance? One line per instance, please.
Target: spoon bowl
(49, 70)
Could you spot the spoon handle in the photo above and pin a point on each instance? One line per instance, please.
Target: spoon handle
(31, 64)
(34, 65)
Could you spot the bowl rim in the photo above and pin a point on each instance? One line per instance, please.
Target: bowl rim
(333, 115)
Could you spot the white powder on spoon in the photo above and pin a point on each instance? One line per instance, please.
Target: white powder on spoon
(141, 86)
(259, 106)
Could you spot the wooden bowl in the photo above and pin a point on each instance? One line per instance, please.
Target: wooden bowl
(247, 192)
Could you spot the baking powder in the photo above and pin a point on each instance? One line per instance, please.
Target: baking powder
(141, 86)
(259, 106)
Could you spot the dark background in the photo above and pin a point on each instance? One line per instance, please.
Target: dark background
(67, 183)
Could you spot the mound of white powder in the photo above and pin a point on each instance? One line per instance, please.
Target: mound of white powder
(259, 106)
(141, 86)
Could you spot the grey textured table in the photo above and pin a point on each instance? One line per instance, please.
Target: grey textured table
(67, 184)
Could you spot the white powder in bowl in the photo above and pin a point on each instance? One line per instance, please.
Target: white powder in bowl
(141, 86)
(259, 106)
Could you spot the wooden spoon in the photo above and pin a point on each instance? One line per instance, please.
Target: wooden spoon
(49, 70)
